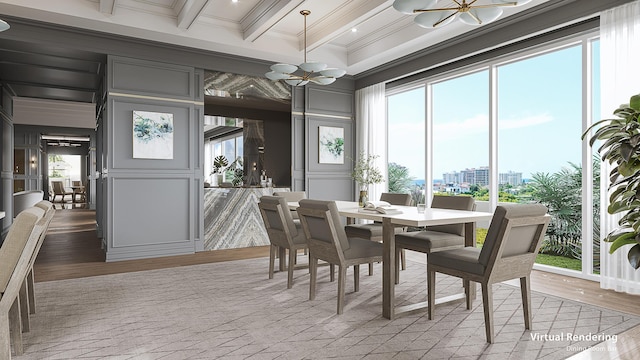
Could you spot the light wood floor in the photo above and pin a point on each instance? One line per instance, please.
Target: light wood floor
(72, 250)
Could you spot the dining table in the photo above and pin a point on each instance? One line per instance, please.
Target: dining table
(409, 217)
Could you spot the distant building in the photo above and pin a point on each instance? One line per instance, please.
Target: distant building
(510, 178)
(476, 176)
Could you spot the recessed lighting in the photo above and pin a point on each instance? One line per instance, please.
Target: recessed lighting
(234, 1)
(354, 30)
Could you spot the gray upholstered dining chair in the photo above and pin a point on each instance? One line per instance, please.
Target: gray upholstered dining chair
(509, 251)
(439, 237)
(291, 196)
(373, 231)
(283, 234)
(328, 241)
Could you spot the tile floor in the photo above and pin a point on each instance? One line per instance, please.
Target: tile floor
(232, 310)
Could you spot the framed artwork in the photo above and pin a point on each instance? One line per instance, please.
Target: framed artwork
(152, 135)
(330, 145)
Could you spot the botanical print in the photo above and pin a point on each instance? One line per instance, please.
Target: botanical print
(152, 135)
(331, 145)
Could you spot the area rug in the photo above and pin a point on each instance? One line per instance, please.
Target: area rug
(231, 310)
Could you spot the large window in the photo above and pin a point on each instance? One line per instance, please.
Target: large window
(509, 130)
(406, 145)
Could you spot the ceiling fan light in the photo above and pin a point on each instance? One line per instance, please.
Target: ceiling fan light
(275, 76)
(333, 72)
(313, 66)
(284, 68)
(518, 2)
(407, 6)
(4, 25)
(296, 82)
(485, 15)
(323, 80)
(429, 19)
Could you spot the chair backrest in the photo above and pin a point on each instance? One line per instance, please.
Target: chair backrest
(76, 183)
(396, 199)
(324, 230)
(278, 221)
(58, 187)
(291, 196)
(453, 203)
(15, 242)
(26, 199)
(513, 240)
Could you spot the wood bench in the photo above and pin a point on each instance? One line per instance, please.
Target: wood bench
(15, 257)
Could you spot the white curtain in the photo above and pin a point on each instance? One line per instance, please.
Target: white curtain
(371, 130)
(620, 78)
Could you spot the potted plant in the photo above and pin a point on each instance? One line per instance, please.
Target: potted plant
(621, 147)
(365, 173)
(220, 164)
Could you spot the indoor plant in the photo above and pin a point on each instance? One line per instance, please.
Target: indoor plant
(220, 164)
(365, 173)
(621, 147)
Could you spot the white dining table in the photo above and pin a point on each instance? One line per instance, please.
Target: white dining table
(409, 217)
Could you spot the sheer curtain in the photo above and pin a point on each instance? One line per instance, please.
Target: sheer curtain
(371, 129)
(619, 54)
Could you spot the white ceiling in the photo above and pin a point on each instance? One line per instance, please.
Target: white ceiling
(265, 29)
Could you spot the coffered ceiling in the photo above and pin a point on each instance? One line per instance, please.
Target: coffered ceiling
(355, 35)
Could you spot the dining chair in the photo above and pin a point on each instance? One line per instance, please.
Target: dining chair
(292, 196)
(438, 237)
(509, 251)
(373, 231)
(59, 189)
(79, 189)
(283, 234)
(328, 241)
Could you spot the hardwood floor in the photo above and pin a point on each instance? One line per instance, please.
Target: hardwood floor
(72, 250)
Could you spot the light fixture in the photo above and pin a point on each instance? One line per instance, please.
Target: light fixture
(313, 71)
(470, 12)
(4, 25)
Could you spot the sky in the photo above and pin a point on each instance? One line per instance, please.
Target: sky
(539, 112)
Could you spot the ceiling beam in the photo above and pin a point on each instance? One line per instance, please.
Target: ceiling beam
(343, 19)
(190, 12)
(264, 16)
(108, 6)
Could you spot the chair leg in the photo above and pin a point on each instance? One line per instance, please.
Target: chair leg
(467, 293)
(403, 258)
(24, 307)
(431, 292)
(525, 289)
(282, 258)
(313, 267)
(487, 301)
(5, 344)
(293, 254)
(272, 259)
(15, 324)
(370, 269)
(31, 292)
(356, 278)
(398, 251)
(332, 270)
(342, 274)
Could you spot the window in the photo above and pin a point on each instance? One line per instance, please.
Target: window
(406, 146)
(509, 130)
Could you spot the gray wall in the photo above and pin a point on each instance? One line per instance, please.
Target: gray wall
(153, 206)
(28, 141)
(6, 160)
(323, 106)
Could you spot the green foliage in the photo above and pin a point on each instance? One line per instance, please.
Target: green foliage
(334, 146)
(621, 148)
(148, 129)
(220, 163)
(365, 172)
(399, 179)
(559, 261)
(561, 192)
